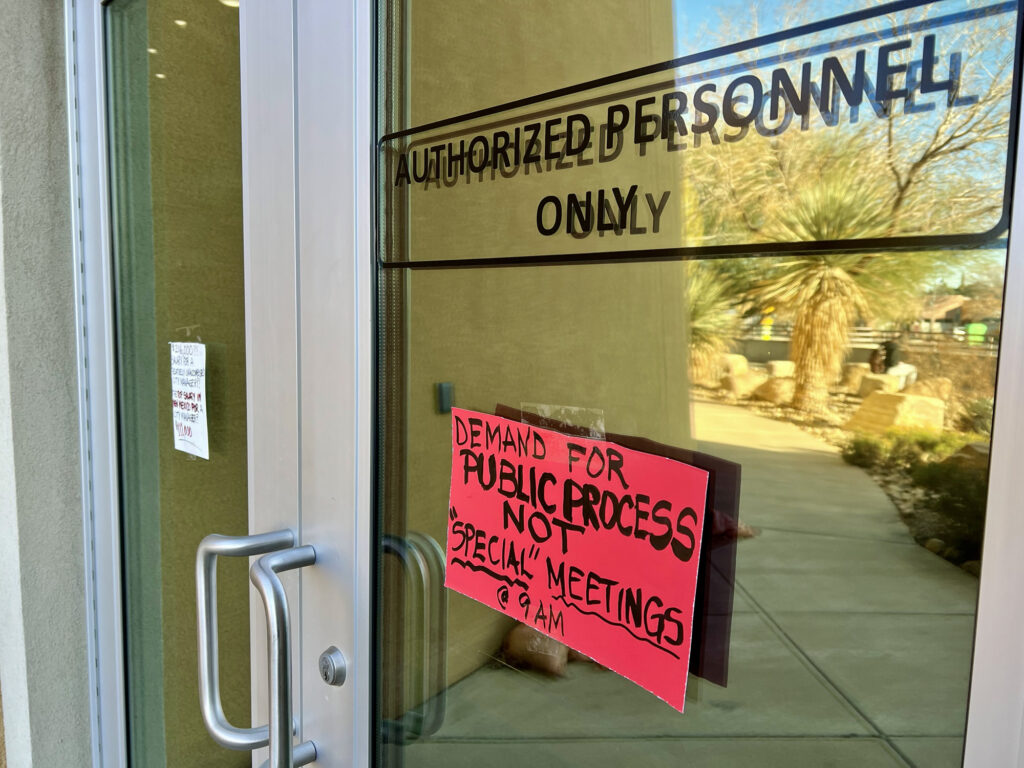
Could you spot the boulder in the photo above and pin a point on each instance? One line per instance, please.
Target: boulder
(734, 365)
(939, 387)
(853, 373)
(972, 455)
(877, 382)
(526, 647)
(743, 384)
(776, 390)
(935, 545)
(882, 410)
(784, 369)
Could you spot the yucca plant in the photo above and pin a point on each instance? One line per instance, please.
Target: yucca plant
(826, 299)
(823, 290)
(858, 179)
(714, 321)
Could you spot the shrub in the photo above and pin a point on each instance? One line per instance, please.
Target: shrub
(977, 416)
(713, 320)
(957, 492)
(864, 450)
(909, 448)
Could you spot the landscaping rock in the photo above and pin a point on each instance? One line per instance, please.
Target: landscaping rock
(743, 384)
(526, 647)
(973, 567)
(734, 365)
(853, 373)
(881, 411)
(972, 455)
(878, 382)
(939, 387)
(782, 368)
(935, 545)
(776, 390)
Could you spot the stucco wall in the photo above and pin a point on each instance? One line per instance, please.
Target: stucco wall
(43, 658)
(604, 337)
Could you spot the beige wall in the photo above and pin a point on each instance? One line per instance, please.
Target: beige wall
(607, 337)
(196, 165)
(43, 658)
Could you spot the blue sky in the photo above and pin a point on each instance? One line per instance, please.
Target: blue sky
(692, 16)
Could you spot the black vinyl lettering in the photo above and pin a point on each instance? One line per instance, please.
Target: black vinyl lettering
(549, 200)
(729, 113)
(672, 116)
(832, 72)
(656, 211)
(402, 173)
(703, 107)
(783, 88)
(580, 211)
(641, 121)
(551, 137)
(884, 90)
(577, 125)
(502, 142)
(419, 174)
(618, 119)
(532, 152)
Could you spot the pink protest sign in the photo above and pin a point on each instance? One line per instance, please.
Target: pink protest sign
(591, 543)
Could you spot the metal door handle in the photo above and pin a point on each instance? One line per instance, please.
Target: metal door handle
(423, 563)
(435, 640)
(263, 575)
(223, 732)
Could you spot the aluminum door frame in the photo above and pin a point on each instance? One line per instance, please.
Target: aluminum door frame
(307, 116)
(328, 82)
(303, 63)
(995, 715)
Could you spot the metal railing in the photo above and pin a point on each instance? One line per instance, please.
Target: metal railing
(863, 336)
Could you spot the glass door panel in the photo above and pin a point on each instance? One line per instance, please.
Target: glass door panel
(820, 307)
(176, 187)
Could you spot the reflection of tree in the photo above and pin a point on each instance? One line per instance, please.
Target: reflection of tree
(713, 319)
(905, 173)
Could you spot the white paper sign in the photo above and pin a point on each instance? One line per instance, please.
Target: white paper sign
(188, 398)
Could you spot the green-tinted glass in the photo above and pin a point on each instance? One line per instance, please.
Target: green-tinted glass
(176, 186)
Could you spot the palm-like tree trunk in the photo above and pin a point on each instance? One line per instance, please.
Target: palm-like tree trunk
(818, 346)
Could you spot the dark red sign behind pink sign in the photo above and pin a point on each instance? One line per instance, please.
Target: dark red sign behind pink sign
(591, 543)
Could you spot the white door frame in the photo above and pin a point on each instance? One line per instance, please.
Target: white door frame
(307, 103)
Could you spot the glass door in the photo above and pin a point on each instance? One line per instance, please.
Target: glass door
(175, 149)
(239, 196)
(761, 256)
(768, 243)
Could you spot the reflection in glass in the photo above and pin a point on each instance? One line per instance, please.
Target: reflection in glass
(854, 385)
(176, 189)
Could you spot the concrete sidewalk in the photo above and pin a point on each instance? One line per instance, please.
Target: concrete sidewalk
(851, 644)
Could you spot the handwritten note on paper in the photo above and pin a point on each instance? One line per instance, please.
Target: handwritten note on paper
(591, 543)
(188, 398)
